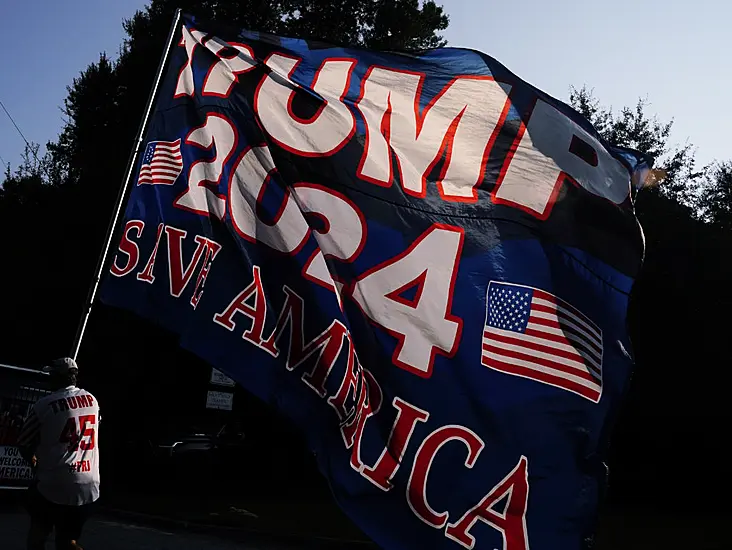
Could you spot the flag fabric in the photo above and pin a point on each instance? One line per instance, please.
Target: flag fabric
(534, 334)
(422, 260)
(161, 163)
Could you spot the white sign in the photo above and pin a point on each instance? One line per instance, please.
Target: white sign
(220, 379)
(13, 467)
(220, 400)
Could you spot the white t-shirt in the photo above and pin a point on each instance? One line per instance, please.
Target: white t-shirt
(64, 428)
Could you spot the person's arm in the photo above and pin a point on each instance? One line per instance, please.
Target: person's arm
(29, 437)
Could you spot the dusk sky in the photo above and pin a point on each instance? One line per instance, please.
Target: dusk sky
(676, 54)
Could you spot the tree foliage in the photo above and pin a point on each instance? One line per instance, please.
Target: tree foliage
(633, 127)
(67, 196)
(705, 193)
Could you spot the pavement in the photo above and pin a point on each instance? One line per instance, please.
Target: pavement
(124, 530)
(111, 534)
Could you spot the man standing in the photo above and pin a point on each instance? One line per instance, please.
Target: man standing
(60, 440)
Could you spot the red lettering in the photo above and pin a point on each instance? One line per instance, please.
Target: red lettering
(417, 486)
(348, 385)
(388, 463)
(69, 436)
(212, 249)
(86, 427)
(348, 428)
(327, 344)
(369, 404)
(179, 275)
(257, 311)
(84, 438)
(511, 522)
(129, 248)
(147, 273)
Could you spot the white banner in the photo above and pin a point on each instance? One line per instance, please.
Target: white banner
(13, 467)
(220, 400)
(220, 379)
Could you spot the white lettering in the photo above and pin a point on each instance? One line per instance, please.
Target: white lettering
(553, 145)
(423, 323)
(465, 116)
(191, 40)
(253, 170)
(204, 176)
(328, 129)
(222, 76)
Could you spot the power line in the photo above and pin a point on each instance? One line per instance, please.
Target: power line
(27, 143)
(19, 132)
(14, 124)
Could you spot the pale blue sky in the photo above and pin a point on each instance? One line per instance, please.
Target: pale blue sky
(677, 54)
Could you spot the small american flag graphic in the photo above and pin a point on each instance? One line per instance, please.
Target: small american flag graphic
(533, 334)
(161, 164)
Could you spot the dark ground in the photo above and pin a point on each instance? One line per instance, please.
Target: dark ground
(111, 534)
(160, 523)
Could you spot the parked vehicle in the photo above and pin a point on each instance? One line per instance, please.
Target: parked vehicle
(188, 454)
(193, 440)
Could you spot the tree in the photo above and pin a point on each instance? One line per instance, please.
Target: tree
(104, 103)
(71, 198)
(633, 127)
(27, 182)
(715, 198)
(686, 220)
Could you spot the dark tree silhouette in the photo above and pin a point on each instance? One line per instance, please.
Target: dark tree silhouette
(103, 109)
(668, 429)
(715, 198)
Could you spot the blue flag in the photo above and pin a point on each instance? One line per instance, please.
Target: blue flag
(421, 259)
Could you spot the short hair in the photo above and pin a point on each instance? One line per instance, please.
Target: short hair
(71, 378)
(66, 379)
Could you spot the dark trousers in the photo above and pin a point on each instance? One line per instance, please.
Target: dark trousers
(67, 521)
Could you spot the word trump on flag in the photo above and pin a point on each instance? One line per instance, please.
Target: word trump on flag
(424, 261)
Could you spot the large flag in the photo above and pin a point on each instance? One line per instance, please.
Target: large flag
(424, 261)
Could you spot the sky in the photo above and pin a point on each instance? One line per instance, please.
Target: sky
(677, 54)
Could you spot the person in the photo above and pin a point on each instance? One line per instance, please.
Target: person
(60, 440)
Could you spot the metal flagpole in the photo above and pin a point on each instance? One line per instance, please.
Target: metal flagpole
(124, 187)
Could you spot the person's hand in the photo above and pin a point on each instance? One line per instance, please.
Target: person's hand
(34, 461)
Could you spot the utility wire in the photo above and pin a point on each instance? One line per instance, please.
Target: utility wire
(14, 124)
(27, 143)
(32, 150)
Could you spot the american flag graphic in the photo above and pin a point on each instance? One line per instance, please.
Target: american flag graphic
(533, 334)
(161, 164)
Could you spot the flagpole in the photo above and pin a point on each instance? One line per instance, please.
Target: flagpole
(125, 186)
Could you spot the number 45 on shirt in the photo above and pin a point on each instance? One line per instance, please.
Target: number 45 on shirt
(81, 435)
